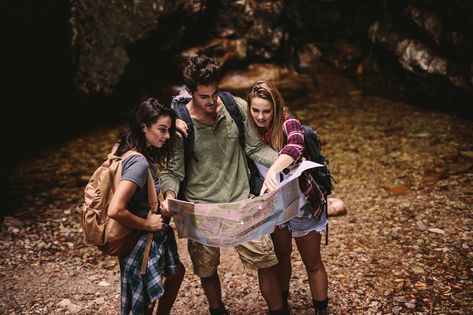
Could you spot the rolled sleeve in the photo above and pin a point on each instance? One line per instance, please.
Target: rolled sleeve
(295, 139)
(172, 175)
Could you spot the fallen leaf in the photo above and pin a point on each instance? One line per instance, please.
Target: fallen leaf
(436, 230)
(421, 225)
(399, 190)
(417, 269)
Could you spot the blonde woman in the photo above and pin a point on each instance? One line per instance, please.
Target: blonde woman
(284, 133)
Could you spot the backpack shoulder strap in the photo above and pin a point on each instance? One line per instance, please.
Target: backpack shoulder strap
(153, 203)
(152, 194)
(112, 155)
(235, 113)
(129, 153)
(183, 113)
(113, 165)
(310, 133)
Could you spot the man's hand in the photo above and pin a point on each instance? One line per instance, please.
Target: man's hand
(165, 206)
(181, 128)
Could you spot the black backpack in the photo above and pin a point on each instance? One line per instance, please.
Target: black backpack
(179, 106)
(321, 175)
(313, 151)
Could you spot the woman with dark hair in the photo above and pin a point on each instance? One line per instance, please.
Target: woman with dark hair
(284, 133)
(151, 132)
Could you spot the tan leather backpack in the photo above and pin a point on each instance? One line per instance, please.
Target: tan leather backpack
(111, 237)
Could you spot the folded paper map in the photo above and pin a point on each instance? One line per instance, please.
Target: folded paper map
(234, 223)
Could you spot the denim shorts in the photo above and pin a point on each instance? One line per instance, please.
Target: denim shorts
(306, 222)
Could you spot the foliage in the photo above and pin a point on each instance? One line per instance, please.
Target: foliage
(102, 31)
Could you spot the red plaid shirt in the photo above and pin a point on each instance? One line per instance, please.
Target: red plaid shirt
(294, 147)
(295, 138)
(292, 128)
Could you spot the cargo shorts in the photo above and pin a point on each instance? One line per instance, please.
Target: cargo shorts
(257, 254)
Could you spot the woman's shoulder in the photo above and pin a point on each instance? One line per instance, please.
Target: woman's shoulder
(135, 161)
(292, 121)
(289, 116)
(241, 103)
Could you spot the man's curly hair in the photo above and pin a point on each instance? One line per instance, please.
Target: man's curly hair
(200, 70)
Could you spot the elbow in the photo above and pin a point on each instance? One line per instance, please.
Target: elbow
(113, 212)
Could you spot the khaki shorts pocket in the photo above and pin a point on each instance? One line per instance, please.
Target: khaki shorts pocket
(205, 259)
(257, 254)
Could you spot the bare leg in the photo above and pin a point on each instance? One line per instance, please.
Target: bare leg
(171, 288)
(309, 248)
(270, 288)
(213, 290)
(282, 240)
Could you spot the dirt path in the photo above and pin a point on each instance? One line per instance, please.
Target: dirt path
(405, 247)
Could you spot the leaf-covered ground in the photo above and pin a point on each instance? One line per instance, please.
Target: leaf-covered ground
(405, 246)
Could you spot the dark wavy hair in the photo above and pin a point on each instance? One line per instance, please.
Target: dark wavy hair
(200, 70)
(147, 112)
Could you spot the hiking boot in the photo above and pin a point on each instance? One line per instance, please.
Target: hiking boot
(283, 311)
(221, 310)
(289, 309)
(320, 307)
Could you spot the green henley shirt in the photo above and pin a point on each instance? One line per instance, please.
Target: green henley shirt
(221, 173)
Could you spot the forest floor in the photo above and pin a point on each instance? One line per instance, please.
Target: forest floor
(405, 246)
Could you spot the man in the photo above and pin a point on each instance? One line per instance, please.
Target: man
(219, 174)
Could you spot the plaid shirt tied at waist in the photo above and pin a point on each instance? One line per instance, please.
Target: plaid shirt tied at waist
(138, 292)
(313, 193)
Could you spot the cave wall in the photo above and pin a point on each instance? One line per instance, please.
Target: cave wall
(65, 59)
(103, 31)
(411, 49)
(119, 44)
(432, 44)
(415, 50)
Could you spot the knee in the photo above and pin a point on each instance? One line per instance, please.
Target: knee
(267, 271)
(283, 249)
(314, 266)
(284, 253)
(212, 278)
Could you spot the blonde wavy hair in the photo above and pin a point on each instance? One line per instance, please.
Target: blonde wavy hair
(268, 91)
